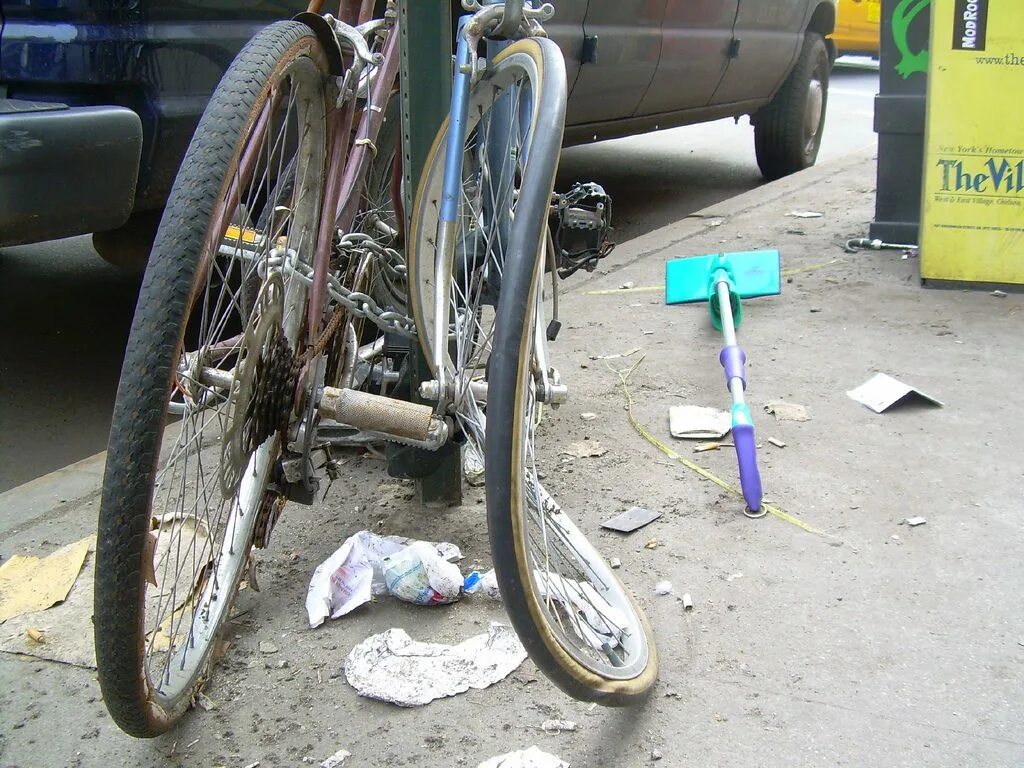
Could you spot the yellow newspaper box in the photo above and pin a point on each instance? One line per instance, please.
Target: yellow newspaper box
(972, 211)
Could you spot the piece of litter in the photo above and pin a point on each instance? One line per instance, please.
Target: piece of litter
(627, 285)
(485, 583)
(881, 391)
(787, 411)
(616, 356)
(393, 667)
(652, 544)
(615, 562)
(588, 416)
(524, 758)
(998, 294)
(734, 576)
(663, 588)
(687, 602)
(205, 703)
(355, 573)
(586, 449)
(630, 520)
(696, 422)
(30, 583)
(419, 575)
(805, 214)
(336, 759)
(915, 521)
(706, 447)
(255, 764)
(267, 647)
(36, 635)
(557, 726)
(716, 222)
(655, 754)
(776, 442)
(472, 465)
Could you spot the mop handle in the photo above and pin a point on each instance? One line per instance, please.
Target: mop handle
(733, 359)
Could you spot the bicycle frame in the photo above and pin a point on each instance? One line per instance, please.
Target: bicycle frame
(349, 157)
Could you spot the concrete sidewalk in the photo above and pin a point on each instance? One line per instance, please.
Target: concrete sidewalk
(876, 645)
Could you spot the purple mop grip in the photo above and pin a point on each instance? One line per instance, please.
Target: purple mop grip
(746, 454)
(732, 360)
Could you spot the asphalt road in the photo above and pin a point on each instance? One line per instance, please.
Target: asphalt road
(65, 314)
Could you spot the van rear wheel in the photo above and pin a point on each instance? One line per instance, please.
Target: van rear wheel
(787, 132)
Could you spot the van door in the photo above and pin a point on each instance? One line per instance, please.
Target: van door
(626, 41)
(566, 29)
(695, 37)
(766, 40)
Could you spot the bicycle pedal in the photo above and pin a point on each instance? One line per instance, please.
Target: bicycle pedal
(385, 417)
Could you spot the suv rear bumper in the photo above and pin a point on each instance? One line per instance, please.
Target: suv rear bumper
(65, 170)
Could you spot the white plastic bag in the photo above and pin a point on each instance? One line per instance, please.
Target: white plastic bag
(418, 574)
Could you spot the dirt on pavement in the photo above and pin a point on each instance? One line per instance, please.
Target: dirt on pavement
(876, 644)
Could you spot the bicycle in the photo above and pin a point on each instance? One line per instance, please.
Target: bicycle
(263, 335)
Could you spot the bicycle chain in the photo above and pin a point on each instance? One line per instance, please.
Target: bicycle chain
(363, 305)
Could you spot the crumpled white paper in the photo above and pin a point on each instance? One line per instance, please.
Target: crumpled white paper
(393, 667)
(355, 572)
(525, 758)
(594, 619)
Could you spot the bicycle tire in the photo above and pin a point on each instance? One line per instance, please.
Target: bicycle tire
(506, 362)
(283, 61)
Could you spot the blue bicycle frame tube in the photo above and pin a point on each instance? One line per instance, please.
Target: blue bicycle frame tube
(456, 128)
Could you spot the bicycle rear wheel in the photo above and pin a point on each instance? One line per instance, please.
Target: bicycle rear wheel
(208, 386)
(562, 598)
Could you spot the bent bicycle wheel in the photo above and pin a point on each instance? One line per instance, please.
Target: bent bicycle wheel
(209, 381)
(575, 619)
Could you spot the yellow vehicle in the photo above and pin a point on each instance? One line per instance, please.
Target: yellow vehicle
(857, 26)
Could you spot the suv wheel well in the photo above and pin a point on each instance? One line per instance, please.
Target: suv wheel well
(823, 21)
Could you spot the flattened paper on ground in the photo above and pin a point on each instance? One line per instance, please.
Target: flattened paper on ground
(393, 667)
(524, 758)
(787, 411)
(30, 583)
(881, 392)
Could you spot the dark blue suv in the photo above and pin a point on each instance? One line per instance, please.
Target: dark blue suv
(99, 98)
(98, 101)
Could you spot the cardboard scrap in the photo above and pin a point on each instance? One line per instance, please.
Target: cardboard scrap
(66, 628)
(29, 584)
(881, 392)
(586, 449)
(696, 422)
(630, 520)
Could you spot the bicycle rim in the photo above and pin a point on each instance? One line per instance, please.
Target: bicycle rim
(243, 216)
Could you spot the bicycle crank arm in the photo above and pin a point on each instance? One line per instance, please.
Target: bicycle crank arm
(384, 417)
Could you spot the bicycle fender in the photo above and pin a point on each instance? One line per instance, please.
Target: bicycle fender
(322, 29)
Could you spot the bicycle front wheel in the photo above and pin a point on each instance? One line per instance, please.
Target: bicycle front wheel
(574, 617)
(209, 381)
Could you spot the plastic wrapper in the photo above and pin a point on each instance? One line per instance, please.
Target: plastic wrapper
(355, 573)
